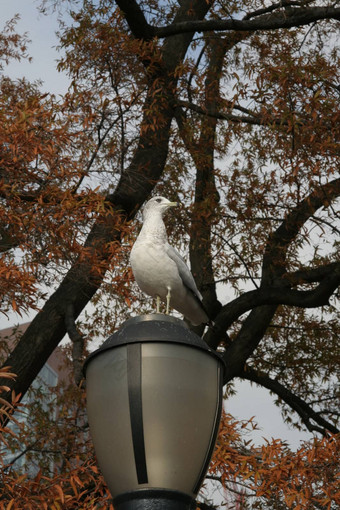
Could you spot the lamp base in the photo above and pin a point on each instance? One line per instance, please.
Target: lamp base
(153, 499)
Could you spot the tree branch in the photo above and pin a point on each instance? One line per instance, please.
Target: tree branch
(278, 242)
(316, 274)
(304, 410)
(250, 335)
(205, 186)
(136, 19)
(255, 120)
(78, 342)
(273, 7)
(280, 295)
(7, 241)
(203, 506)
(263, 303)
(274, 288)
(295, 17)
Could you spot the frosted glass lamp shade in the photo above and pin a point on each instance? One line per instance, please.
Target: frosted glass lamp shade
(154, 393)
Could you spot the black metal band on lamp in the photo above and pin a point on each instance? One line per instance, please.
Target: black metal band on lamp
(154, 398)
(134, 367)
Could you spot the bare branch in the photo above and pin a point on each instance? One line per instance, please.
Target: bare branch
(273, 7)
(316, 274)
(280, 239)
(249, 119)
(294, 17)
(78, 341)
(279, 295)
(311, 419)
(274, 288)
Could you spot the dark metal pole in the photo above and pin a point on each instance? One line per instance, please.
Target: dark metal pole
(151, 499)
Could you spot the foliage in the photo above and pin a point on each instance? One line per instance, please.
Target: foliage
(273, 476)
(67, 476)
(231, 108)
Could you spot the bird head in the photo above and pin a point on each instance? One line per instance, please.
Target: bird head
(157, 205)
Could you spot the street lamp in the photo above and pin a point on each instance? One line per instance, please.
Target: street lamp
(154, 398)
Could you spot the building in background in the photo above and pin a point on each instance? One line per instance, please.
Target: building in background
(55, 371)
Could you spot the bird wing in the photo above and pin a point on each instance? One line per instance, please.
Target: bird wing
(183, 270)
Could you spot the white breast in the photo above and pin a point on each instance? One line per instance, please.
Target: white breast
(153, 270)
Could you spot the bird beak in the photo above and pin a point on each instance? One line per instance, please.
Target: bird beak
(172, 204)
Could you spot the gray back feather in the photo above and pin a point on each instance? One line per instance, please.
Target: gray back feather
(183, 270)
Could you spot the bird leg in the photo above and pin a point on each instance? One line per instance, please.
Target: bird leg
(168, 296)
(158, 301)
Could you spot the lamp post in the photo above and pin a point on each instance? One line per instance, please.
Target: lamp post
(154, 397)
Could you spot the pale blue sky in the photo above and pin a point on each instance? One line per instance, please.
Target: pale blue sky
(41, 31)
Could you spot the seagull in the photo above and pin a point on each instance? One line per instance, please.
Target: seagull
(159, 269)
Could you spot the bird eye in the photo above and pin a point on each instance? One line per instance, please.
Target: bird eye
(158, 200)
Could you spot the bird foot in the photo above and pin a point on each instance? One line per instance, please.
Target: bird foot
(158, 301)
(168, 296)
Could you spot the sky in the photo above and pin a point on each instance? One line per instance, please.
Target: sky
(250, 401)
(41, 31)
